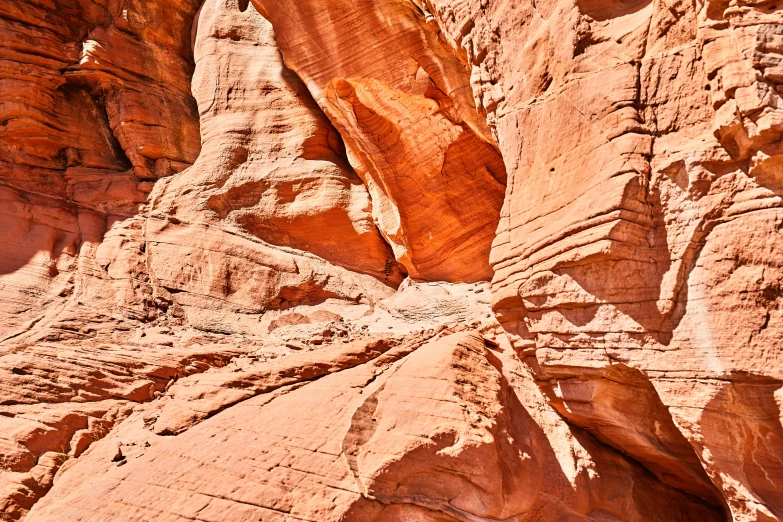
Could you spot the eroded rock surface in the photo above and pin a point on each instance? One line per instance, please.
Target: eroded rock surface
(402, 103)
(391, 260)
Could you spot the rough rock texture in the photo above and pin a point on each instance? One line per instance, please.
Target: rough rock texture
(347, 447)
(638, 260)
(95, 106)
(403, 104)
(391, 260)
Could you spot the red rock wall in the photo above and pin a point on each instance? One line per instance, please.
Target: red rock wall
(96, 107)
(636, 263)
(386, 260)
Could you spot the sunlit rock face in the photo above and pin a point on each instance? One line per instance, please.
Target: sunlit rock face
(637, 262)
(391, 260)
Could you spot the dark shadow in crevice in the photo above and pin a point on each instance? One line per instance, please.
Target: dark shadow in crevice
(621, 408)
(602, 10)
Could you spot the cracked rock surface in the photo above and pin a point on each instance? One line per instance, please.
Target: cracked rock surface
(391, 260)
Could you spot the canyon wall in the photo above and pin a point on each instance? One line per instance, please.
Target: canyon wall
(391, 260)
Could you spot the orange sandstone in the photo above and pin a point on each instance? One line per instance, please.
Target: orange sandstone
(391, 260)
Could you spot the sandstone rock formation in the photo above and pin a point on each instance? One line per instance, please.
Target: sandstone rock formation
(391, 260)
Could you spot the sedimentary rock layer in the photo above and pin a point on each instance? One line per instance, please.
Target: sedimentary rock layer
(386, 260)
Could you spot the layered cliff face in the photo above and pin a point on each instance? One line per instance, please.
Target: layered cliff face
(386, 260)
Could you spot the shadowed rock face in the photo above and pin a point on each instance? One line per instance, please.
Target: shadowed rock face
(401, 100)
(391, 260)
